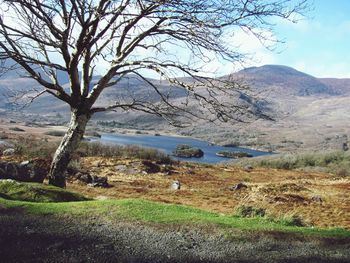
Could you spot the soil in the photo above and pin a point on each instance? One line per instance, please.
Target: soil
(31, 238)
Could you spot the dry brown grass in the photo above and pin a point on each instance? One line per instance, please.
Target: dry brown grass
(282, 193)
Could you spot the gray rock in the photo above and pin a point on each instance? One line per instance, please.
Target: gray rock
(99, 181)
(238, 187)
(175, 185)
(317, 199)
(121, 168)
(248, 168)
(9, 151)
(28, 171)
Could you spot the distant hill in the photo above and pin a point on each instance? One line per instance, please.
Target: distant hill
(281, 84)
(340, 86)
(282, 80)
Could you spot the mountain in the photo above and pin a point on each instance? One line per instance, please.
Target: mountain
(282, 87)
(340, 86)
(282, 80)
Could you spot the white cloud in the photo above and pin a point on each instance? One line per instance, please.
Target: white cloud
(334, 70)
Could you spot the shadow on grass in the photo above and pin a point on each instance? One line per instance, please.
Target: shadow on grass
(26, 237)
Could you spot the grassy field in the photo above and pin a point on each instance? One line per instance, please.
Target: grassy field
(159, 213)
(304, 211)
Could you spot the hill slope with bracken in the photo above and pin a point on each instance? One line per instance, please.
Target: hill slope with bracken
(285, 81)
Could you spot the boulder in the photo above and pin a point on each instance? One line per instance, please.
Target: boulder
(92, 180)
(99, 182)
(317, 199)
(28, 171)
(9, 151)
(175, 185)
(150, 167)
(248, 168)
(238, 186)
(84, 177)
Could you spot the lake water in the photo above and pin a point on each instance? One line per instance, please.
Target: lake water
(168, 144)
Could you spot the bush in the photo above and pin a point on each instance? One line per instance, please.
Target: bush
(34, 148)
(130, 151)
(235, 155)
(292, 220)
(55, 133)
(336, 162)
(92, 134)
(16, 129)
(249, 211)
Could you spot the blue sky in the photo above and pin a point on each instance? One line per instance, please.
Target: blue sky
(319, 44)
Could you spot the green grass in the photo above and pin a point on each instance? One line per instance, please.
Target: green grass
(34, 192)
(159, 213)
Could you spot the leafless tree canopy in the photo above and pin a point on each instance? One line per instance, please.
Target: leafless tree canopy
(135, 37)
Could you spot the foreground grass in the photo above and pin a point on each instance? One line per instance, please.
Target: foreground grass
(159, 213)
(34, 192)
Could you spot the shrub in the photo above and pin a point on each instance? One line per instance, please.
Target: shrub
(55, 133)
(92, 134)
(292, 220)
(34, 148)
(130, 151)
(229, 154)
(249, 211)
(16, 129)
(336, 162)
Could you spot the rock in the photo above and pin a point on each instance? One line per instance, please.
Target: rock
(175, 185)
(150, 167)
(248, 168)
(9, 151)
(345, 147)
(56, 246)
(187, 151)
(84, 177)
(317, 199)
(27, 171)
(99, 182)
(121, 168)
(167, 169)
(127, 170)
(238, 187)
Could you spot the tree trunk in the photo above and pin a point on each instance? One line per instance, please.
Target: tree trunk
(67, 147)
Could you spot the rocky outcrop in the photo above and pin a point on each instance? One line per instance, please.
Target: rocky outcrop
(27, 171)
(92, 180)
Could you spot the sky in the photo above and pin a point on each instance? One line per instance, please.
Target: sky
(319, 44)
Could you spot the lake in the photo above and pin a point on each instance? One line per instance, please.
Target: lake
(168, 144)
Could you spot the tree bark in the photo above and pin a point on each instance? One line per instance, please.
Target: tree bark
(67, 147)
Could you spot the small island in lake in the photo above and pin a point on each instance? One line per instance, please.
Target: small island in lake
(187, 151)
(229, 154)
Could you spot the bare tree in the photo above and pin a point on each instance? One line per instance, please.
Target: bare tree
(132, 37)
